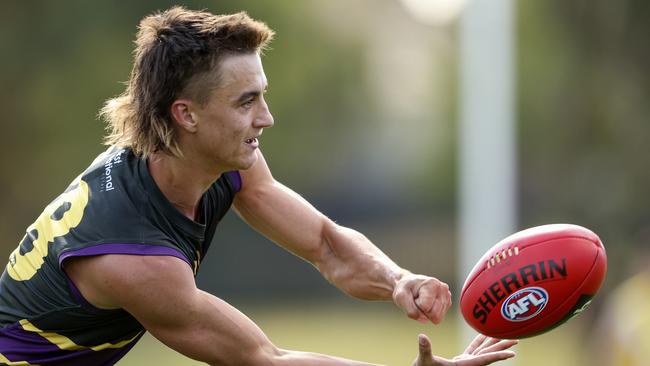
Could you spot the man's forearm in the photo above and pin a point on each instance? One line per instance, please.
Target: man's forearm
(355, 265)
(296, 358)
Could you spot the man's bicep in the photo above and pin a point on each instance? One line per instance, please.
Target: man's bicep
(159, 291)
(131, 281)
(279, 213)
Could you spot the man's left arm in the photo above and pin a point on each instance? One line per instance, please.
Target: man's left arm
(344, 256)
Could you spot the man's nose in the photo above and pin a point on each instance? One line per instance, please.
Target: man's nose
(265, 118)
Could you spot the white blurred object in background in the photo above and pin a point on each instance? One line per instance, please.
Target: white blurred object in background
(435, 12)
(487, 146)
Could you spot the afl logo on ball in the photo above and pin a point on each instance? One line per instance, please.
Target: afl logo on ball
(524, 304)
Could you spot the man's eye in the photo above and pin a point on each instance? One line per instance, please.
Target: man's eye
(247, 104)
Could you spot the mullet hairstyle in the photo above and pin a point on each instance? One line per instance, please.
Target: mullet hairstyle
(177, 55)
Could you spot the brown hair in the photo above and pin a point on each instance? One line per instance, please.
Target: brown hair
(176, 55)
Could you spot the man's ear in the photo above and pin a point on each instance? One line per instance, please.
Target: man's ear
(182, 113)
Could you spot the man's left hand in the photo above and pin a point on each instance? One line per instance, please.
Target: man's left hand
(482, 351)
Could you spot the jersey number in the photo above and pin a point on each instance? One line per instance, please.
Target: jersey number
(58, 218)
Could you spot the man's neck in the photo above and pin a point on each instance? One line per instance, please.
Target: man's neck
(181, 181)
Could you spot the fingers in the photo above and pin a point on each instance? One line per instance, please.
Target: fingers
(481, 351)
(485, 359)
(476, 342)
(483, 344)
(425, 357)
(486, 342)
(497, 345)
(433, 298)
(425, 347)
(404, 299)
(423, 298)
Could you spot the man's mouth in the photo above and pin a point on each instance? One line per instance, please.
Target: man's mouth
(253, 142)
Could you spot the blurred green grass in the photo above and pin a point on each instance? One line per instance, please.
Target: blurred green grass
(374, 332)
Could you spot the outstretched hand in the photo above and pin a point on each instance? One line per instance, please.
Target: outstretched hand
(481, 351)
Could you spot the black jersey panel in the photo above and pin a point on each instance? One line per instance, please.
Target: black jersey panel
(113, 207)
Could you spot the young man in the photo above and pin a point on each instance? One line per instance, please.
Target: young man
(117, 252)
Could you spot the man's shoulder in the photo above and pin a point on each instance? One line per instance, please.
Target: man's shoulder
(104, 279)
(108, 204)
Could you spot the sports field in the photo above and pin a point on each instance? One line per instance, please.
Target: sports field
(374, 332)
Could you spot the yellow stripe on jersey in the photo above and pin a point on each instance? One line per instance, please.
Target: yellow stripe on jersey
(22, 267)
(66, 343)
(197, 261)
(5, 361)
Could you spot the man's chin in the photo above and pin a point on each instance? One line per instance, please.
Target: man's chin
(247, 164)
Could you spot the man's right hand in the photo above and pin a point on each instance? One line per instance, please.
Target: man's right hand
(481, 351)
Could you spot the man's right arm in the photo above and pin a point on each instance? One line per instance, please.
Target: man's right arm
(160, 292)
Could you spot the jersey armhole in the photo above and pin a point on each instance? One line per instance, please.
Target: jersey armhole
(102, 249)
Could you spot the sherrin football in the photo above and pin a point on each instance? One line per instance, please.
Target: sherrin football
(533, 281)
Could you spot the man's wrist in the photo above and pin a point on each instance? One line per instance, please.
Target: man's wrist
(397, 276)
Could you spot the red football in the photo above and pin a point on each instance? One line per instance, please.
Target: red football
(533, 281)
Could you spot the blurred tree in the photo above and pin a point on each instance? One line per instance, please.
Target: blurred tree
(583, 95)
(583, 92)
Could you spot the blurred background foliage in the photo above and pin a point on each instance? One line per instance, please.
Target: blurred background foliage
(365, 104)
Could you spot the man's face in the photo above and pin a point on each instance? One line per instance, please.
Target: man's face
(232, 119)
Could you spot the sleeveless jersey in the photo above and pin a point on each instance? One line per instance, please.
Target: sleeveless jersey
(114, 207)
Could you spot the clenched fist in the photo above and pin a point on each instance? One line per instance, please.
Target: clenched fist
(422, 298)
